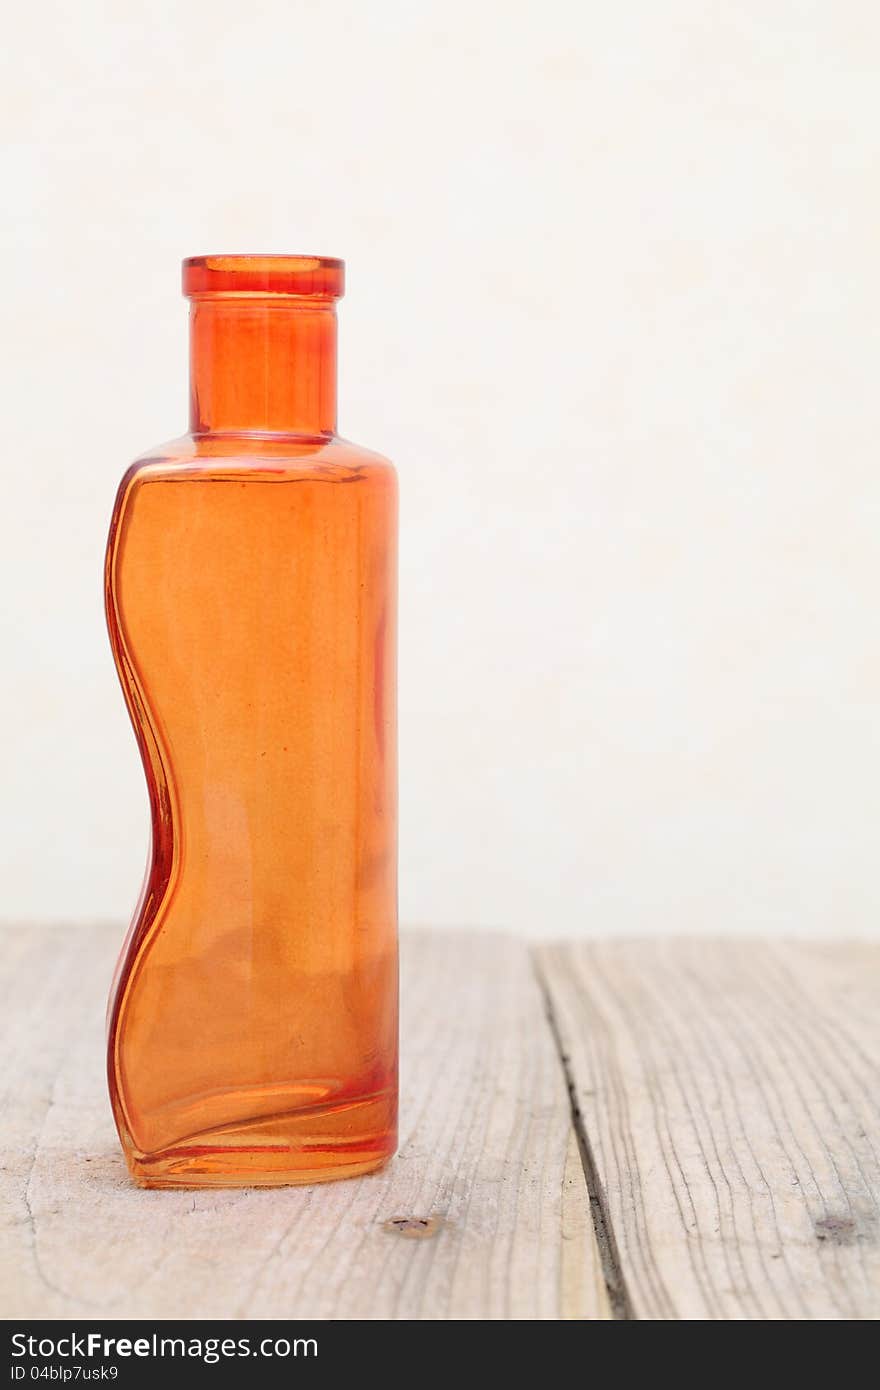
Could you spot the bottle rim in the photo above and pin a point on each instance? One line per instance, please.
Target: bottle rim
(307, 277)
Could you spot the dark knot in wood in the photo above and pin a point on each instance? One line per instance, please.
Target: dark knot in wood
(840, 1230)
(413, 1227)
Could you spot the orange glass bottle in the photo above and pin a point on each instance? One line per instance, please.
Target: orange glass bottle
(251, 603)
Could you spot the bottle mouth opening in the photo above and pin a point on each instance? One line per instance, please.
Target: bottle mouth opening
(305, 277)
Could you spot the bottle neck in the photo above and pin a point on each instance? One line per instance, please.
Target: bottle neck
(262, 365)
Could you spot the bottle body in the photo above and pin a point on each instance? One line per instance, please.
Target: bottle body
(251, 600)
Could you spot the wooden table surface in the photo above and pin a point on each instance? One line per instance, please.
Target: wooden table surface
(655, 1129)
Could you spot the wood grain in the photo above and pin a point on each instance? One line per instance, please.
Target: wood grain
(729, 1096)
(483, 1214)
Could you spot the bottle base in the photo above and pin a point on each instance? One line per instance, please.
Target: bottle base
(194, 1168)
(303, 1146)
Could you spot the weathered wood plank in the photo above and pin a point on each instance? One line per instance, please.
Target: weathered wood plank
(486, 1155)
(730, 1092)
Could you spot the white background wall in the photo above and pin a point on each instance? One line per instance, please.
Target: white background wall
(613, 308)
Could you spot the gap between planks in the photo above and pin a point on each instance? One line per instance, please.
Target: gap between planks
(619, 1302)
